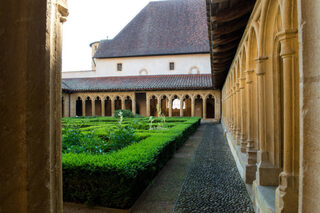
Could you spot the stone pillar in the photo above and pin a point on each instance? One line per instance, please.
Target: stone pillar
(238, 109)
(204, 108)
(192, 106)
(148, 106)
(73, 104)
(309, 64)
(251, 168)
(170, 106)
(30, 106)
(287, 192)
(181, 107)
(83, 107)
(93, 106)
(134, 111)
(267, 174)
(112, 106)
(103, 107)
(243, 141)
(123, 101)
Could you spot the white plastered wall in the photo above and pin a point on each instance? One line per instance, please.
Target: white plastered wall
(152, 65)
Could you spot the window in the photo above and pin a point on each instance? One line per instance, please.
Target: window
(119, 67)
(171, 66)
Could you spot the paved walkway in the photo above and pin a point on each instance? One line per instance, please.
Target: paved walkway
(213, 183)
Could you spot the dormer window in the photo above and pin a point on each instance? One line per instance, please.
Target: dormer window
(171, 66)
(119, 66)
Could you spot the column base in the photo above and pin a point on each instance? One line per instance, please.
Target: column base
(251, 167)
(286, 195)
(243, 144)
(267, 175)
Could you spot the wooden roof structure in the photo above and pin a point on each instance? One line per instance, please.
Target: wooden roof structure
(227, 20)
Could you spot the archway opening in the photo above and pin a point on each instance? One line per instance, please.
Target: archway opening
(62, 105)
(117, 103)
(153, 106)
(79, 107)
(164, 106)
(175, 106)
(187, 106)
(107, 107)
(97, 104)
(210, 107)
(128, 103)
(198, 106)
(88, 107)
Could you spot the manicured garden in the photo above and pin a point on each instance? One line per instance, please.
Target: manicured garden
(110, 161)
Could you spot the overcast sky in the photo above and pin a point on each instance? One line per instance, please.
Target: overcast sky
(93, 20)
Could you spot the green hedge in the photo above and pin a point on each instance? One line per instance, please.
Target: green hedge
(117, 179)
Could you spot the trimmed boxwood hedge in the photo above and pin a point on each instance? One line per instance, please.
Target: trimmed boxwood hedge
(116, 180)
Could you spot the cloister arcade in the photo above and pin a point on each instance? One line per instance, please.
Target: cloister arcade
(202, 103)
(260, 104)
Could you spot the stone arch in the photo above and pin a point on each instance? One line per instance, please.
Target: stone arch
(143, 72)
(194, 70)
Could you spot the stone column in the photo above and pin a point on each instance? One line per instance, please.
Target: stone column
(204, 108)
(181, 107)
(30, 106)
(251, 168)
(243, 141)
(267, 174)
(170, 106)
(134, 111)
(83, 107)
(287, 192)
(309, 53)
(238, 109)
(93, 106)
(148, 106)
(103, 108)
(112, 106)
(192, 106)
(123, 101)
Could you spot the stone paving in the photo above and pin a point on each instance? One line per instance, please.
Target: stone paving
(213, 183)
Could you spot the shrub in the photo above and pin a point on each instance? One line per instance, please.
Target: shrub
(125, 113)
(118, 178)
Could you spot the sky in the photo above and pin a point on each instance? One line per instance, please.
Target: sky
(93, 20)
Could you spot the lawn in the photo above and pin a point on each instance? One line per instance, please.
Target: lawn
(110, 161)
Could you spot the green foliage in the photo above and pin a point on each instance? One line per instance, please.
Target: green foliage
(122, 137)
(73, 140)
(116, 179)
(125, 113)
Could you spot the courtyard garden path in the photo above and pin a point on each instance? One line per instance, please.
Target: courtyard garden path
(213, 183)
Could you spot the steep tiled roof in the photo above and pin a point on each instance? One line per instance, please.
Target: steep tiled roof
(139, 83)
(161, 28)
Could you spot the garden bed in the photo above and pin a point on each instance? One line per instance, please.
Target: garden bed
(116, 179)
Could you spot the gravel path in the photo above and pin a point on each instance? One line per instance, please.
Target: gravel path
(213, 183)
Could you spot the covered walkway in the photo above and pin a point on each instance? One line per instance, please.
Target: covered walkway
(213, 183)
